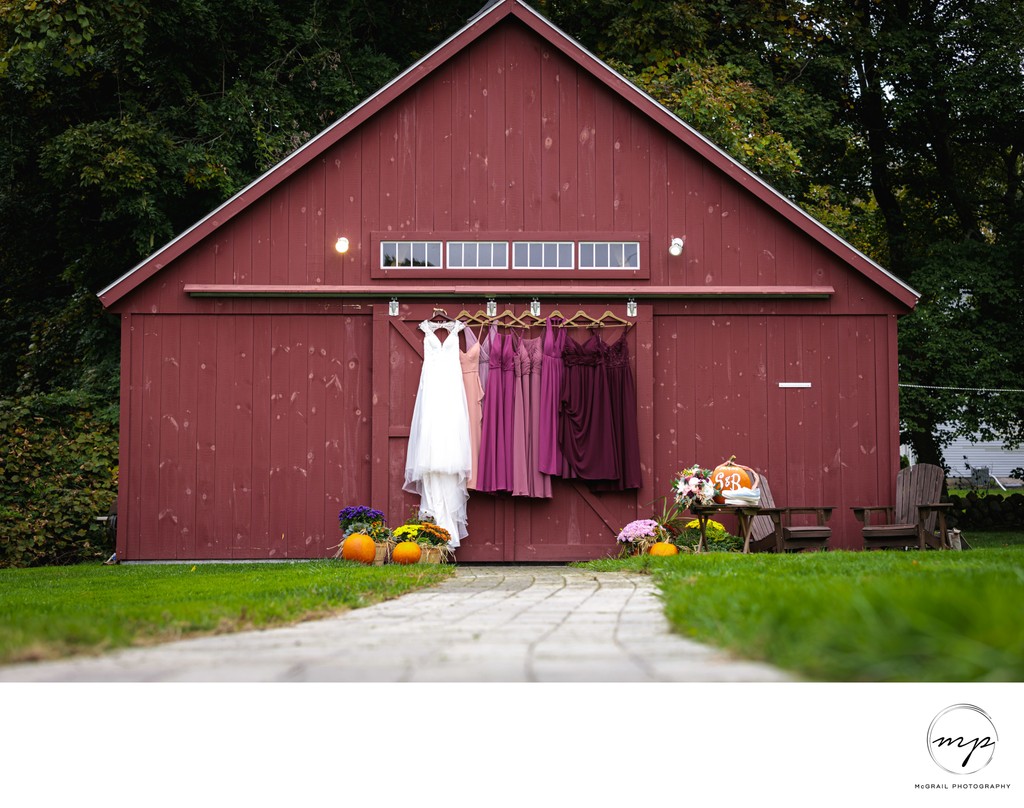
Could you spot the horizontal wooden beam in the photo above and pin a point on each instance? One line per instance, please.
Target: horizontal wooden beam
(405, 291)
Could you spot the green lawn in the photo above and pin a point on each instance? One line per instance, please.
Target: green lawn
(886, 616)
(51, 612)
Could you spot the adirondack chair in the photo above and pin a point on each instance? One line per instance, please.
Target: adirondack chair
(912, 521)
(773, 530)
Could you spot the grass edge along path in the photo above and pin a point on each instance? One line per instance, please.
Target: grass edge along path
(54, 612)
(856, 617)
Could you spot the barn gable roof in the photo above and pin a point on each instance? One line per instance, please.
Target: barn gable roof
(484, 21)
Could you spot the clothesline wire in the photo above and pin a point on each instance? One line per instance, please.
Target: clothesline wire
(965, 389)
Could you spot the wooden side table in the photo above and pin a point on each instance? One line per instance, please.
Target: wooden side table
(744, 515)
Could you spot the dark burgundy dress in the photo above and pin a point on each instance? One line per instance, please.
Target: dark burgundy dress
(586, 420)
(623, 402)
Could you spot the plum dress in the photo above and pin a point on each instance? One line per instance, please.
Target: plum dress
(527, 479)
(552, 372)
(495, 467)
(439, 458)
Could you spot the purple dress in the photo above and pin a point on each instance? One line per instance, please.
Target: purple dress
(495, 462)
(527, 479)
(552, 372)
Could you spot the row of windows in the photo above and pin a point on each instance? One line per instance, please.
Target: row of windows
(525, 254)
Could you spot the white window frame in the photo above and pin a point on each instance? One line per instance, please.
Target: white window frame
(609, 247)
(413, 244)
(543, 246)
(461, 244)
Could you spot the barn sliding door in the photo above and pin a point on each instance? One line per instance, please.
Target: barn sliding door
(575, 524)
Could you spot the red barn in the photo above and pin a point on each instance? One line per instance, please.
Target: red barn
(269, 380)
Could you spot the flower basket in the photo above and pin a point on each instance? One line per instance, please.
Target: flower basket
(431, 554)
(436, 554)
(432, 539)
(383, 555)
(640, 535)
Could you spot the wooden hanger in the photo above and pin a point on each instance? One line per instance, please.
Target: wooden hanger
(480, 318)
(530, 320)
(608, 315)
(439, 312)
(576, 321)
(514, 319)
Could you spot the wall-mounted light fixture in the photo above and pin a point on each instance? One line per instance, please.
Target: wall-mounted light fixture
(676, 246)
(341, 245)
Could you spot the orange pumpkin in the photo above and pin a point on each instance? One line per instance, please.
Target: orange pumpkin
(406, 552)
(730, 476)
(359, 547)
(664, 548)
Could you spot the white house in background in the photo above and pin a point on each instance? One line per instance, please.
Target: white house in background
(963, 456)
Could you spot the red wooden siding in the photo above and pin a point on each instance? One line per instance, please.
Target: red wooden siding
(834, 443)
(246, 435)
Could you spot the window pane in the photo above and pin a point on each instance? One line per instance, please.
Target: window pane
(419, 253)
(632, 255)
(522, 254)
(501, 255)
(615, 257)
(565, 256)
(484, 255)
(536, 255)
(434, 253)
(455, 255)
(601, 255)
(472, 260)
(402, 254)
(551, 255)
(387, 254)
(586, 255)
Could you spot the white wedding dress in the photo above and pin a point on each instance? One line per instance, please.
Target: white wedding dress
(439, 462)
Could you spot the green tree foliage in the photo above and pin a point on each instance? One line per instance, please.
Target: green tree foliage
(124, 121)
(58, 472)
(933, 93)
(720, 103)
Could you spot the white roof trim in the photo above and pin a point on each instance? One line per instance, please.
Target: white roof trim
(575, 44)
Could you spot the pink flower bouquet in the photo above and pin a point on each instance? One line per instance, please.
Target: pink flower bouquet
(693, 486)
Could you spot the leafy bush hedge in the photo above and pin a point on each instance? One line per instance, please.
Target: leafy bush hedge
(987, 512)
(58, 472)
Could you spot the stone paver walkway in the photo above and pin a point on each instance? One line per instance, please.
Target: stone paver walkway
(486, 624)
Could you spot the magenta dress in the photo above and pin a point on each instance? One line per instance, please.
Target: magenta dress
(527, 479)
(470, 360)
(587, 421)
(495, 462)
(552, 372)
